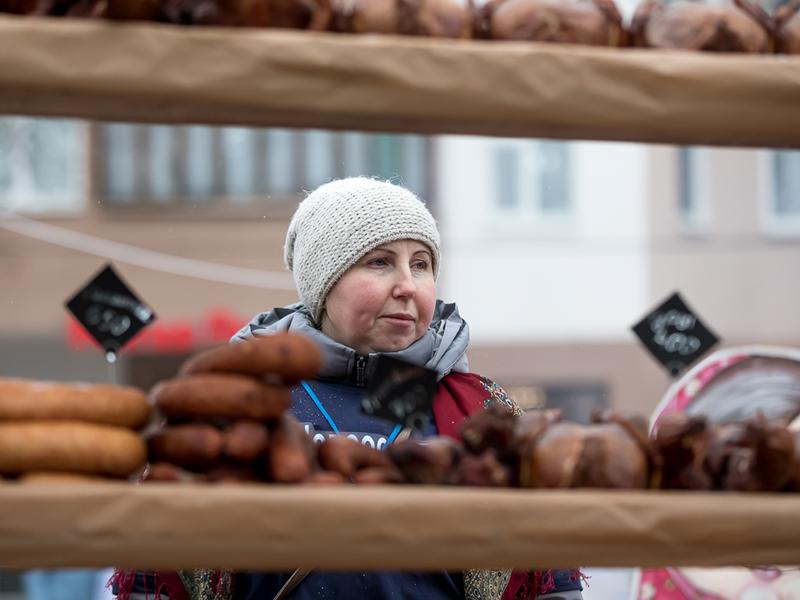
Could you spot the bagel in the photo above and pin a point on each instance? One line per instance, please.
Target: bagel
(70, 446)
(28, 400)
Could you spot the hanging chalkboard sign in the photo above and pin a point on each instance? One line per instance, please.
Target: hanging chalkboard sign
(400, 392)
(675, 335)
(110, 311)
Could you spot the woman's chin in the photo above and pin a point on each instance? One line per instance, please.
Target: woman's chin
(392, 344)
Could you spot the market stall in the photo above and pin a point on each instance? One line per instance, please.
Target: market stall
(154, 73)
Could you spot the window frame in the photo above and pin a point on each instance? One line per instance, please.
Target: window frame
(528, 216)
(82, 201)
(180, 207)
(693, 162)
(773, 224)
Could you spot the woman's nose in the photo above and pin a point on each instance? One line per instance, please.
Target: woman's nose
(404, 284)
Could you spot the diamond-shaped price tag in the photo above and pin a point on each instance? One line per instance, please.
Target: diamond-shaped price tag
(674, 335)
(110, 311)
(400, 392)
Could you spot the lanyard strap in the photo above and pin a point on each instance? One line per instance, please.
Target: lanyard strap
(312, 394)
(321, 408)
(394, 434)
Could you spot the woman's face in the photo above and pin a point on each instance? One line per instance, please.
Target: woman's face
(385, 301)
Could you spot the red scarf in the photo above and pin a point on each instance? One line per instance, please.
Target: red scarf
(459, 396)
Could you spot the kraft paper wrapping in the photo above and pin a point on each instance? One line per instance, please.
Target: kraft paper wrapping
(274, 527)
(160, 73)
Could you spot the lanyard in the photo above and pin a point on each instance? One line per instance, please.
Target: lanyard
(312, 394)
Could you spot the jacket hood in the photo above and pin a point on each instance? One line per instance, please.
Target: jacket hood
(442, 348)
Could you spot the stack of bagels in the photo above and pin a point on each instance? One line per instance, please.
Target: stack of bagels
(68, 431)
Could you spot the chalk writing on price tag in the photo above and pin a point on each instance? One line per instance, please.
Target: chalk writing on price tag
(110, 311)
(674, 335)
(400, 392)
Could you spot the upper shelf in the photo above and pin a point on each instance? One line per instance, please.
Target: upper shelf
(159, 73)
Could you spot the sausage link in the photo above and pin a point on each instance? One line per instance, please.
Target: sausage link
(164, 471)
(428, 462)
(377, 476)
(325, 478)
(291, 356)
(193, 446)
(346, 456)
(245, 441)
(220, 396)
(290, 458)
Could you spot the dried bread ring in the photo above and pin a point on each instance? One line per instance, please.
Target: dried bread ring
(28, 400)
(70, 446)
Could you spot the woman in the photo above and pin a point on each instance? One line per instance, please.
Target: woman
(365, 257)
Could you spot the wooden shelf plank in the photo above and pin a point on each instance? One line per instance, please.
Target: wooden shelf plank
(276, 528)
(160, 73)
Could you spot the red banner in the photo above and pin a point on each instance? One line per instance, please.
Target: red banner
(179, 336)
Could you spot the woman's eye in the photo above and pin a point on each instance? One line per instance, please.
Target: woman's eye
(378, 262)
(421, 265)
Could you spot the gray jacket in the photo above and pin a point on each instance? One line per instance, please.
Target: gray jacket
(443, 347)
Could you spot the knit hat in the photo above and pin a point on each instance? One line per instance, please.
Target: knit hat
(340, 222)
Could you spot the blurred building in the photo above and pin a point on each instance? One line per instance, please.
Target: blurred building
(555, 249)
(551, 249)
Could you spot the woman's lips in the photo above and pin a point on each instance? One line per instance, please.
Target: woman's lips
(400, 320)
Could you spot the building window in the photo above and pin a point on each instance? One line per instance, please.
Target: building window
(577, 402)
(179, 166)
(43, 165)
(786, 186)
(527, 397)
(692, 188)
(531, 178)
(552, 158)
(507, 175)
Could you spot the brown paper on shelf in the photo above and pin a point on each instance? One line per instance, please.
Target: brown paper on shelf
(161, 73)
(279, 528)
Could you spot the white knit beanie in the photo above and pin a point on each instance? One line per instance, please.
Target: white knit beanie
(340, 222)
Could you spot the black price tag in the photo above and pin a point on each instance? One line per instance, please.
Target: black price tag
(400, 392)
(110, 311)
(675, 335)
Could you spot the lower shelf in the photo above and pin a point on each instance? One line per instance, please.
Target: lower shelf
(416, 528)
